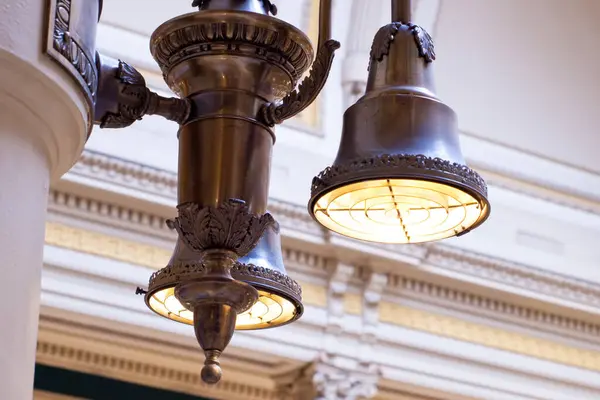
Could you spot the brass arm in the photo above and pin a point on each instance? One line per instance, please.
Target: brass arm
(123, 97)
(306, 93)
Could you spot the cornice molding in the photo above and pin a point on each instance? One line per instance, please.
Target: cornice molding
(130, 174)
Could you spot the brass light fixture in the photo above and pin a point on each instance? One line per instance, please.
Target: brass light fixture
(399, 176)
(235, 69)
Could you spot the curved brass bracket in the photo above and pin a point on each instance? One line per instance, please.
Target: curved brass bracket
(124, 98)
(298, 100)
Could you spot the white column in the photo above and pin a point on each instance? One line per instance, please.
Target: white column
(24, 177)
(43, 127)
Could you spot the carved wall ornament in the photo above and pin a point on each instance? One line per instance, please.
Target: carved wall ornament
(386, 35)
(334, 381)
(134, 99)
(388, 162)
(299, 99)
(231, 226)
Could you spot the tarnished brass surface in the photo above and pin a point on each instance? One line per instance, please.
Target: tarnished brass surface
(242, 50)
(262, 268)
(124, 98)
(224, 158)
(399, 130)
(275, 112)
(237, 68)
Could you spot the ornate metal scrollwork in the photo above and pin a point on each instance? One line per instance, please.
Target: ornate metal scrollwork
(386, 35)
(133, 99)
(462, 173)
(71, 40)
(307, 92)
(424, 43)
(268, 275)
(230, 226)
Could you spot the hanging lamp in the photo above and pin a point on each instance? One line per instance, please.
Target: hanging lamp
(399, 175)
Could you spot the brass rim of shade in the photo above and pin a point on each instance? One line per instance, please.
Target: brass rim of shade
(412, 184)
(280, 297)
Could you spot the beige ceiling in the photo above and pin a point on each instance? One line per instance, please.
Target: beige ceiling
(524, 73)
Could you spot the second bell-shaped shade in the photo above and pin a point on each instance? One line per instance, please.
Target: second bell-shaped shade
(399, 176)
(279, 300)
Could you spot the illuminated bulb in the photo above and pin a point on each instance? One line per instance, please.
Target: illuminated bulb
(173, 305)
(270, 310)
(399, 210)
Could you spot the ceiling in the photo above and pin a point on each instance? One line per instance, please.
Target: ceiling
(524, 73)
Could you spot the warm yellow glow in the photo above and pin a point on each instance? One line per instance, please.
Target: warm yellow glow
(270, 310)
(398, 211)
(166, 304)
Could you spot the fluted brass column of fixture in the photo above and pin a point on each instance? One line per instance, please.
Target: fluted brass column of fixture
(235, 69)
(399, 176)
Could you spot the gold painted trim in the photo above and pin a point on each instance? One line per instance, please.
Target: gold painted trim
(488, 336)
(353, 304)
(107, 246)
(314, 295)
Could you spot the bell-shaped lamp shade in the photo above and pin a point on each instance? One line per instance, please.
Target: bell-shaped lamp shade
(400, 176)
(279, 301)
